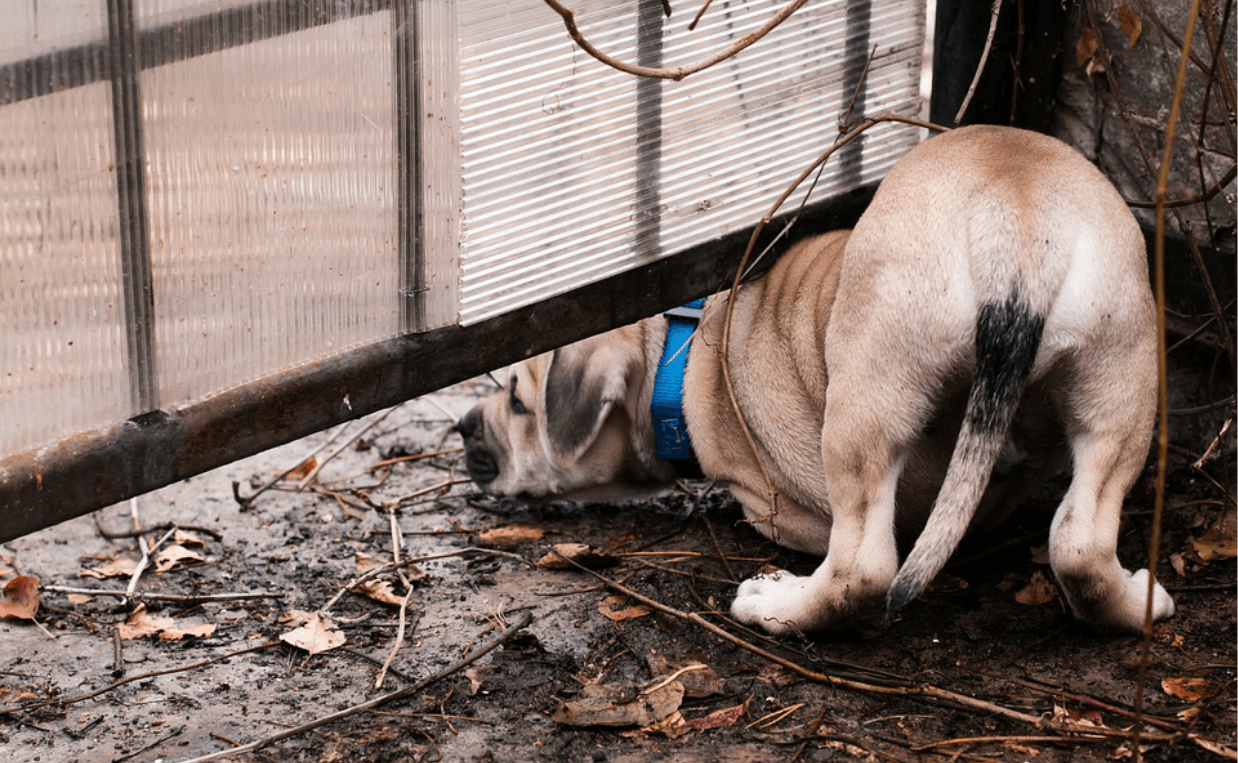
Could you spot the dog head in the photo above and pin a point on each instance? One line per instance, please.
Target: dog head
(568, 425)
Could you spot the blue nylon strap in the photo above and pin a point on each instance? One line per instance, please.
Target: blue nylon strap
(669, 426)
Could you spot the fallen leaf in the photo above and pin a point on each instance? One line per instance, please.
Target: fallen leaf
(365, 562)
(303, 469)
(718, 719)
(185, 538)
(120, 568)
(602, 706)
(1187, 689)
(1130, 23)
(141, 624)
(583, 554)
(612, 608)
(671, 727)
(698, 679)
(510, 536)
(1087, 718)
(21, 598)
(381, 591)
(318, 634)
(174, 557)
(295, 617)
(1086, 46)
(1219, 542)
(1039, 590)
(1178, 563)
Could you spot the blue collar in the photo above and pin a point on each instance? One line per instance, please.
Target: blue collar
(669, 425)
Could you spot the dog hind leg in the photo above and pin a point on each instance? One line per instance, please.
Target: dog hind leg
(1108, 438)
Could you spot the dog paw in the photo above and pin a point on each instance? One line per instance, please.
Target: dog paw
(771, 602)
(1162, 602)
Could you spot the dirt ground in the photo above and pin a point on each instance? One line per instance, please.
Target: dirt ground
(987, 666)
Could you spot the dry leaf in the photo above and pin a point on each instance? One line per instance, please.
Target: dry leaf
(303, 469)
(509, 536)
(364, 562)
(1219, 542)
(318, 634)
(381, 591)
(584, 555)
(718, 719)
(120, 568)
(1086, 718)
(671, 727)
(1130, 23)
(600, 707)
(612, 608)
(175, 556)
(1086, 46)
(141, 623)
(698, 679)
(1039, 590)
(21, 598)
(184, 538)
(1187, 689)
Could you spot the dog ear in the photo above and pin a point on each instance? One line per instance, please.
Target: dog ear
(583, 385)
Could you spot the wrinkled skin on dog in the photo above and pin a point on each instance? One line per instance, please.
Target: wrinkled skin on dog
(903, 383)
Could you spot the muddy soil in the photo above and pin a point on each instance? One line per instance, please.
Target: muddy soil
(990, 630)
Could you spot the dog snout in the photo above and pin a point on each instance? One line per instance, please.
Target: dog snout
(469, 424)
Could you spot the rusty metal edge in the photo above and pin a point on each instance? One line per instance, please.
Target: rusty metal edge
(101, 467)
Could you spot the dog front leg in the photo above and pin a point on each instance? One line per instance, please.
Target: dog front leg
(861, 562)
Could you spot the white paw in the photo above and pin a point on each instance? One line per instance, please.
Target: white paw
(772, 602)
(1162, 602)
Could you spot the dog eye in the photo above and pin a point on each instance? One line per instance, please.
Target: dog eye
(517, 406)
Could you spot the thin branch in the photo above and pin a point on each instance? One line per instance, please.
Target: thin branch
(375, 702)
(140, 596)
(984, 59)
(1198, 198)
(674, 73)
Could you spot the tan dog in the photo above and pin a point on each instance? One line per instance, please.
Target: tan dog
(994, 293)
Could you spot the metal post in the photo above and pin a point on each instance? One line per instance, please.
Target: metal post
(135, 269)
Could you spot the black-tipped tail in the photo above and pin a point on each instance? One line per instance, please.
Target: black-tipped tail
(1007, 339)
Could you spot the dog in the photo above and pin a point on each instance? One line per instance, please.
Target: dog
(988, 320)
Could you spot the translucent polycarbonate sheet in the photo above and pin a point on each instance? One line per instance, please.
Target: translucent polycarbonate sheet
(271, 180)
(572, 171)
(62, 341)
(38, 27)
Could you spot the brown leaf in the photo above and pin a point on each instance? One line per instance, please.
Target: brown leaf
(612, 608)
(718, 719)
(606, 707)
(1187, 689)
(584, 555)
(1219, 542)
(1130, 23)
(318, 634)
(381, 591)
(1086, 718)
(698, 679)
(174, 557)
(141, 624)
(509, 536)
(303, 469)
(185, 538)
(1039, 590)
(120, 568)
(21, 598)
(1086, 46)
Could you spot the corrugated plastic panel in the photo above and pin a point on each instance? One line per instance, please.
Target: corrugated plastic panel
(272, 204)
(571, 172)
(62, 333)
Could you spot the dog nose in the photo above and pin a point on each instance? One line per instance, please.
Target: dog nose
(468, 424)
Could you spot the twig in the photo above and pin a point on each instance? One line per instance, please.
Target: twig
(925, 691)
(1162, 362)
(144, 562)
(675, 73)
(140, 596)
(247, 502)
(415, 457)
(1198, 198)
(984, 59)
(138, 677)
(699, 15)
(313, 475)
(377, 701)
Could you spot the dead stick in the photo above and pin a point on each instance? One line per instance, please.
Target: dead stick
(929, 692)
(984, 59)
(140, 596)
(469, 659)
(138, 677)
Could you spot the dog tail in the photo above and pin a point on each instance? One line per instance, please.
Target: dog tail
(1007, 339)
